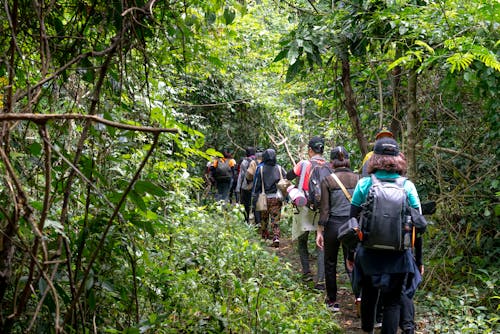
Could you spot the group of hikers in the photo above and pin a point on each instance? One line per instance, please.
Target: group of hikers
(374, 217)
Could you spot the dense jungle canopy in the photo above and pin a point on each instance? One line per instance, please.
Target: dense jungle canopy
(111, 110)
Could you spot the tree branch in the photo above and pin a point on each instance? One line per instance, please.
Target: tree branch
(41, 118)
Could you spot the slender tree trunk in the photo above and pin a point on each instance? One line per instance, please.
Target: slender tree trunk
(395, 124)
(412, 124)
(350, 104)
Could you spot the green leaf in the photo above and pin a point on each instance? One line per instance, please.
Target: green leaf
(148, 187)
(229, 15)
(137, 199)
(35, 149)
(293, 54)
(283, 53)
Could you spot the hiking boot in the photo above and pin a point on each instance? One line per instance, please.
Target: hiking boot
(320, 286)
(333, 306)
(377, 325)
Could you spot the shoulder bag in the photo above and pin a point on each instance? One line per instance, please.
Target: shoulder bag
(261, 204)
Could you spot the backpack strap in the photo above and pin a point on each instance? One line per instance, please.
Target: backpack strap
(344, 190)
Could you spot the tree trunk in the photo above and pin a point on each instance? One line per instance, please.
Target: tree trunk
(411, 125)
(350, 104)
(395, 125)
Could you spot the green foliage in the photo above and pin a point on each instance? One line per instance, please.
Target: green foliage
(467, 309)
(208, 274)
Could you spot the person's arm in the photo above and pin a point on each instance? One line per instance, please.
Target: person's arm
(324, 203)
(355, 211)
(320, 241)
(290, 175)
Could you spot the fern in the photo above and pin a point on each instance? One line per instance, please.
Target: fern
(460, 61)
(486, 56)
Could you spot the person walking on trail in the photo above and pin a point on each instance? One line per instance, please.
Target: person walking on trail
(336, 193)
(383, 133)
(392, 272)
(243, 185)
(267, 176)
(222, 171)
(306, 219)
(250, 177)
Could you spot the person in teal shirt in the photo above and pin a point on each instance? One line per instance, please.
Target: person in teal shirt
(393, 274)
(363, 186)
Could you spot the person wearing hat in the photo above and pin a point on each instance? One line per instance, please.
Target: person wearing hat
(384, 133)
(306, 220)
(394, 274)
(335, 210)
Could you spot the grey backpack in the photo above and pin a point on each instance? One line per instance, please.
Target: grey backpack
(385, 219)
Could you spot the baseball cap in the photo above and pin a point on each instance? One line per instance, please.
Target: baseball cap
(386, 146)
(317, 144)
(339, 153)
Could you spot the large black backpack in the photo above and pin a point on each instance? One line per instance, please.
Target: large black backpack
(385, 217)
(318, 172)
(223, 171)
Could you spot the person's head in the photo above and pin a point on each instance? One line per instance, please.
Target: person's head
(386, 156)
(316, 146)
(384, 133)
(226, 152)
(269, 157)
(258, 156)
(249, 151)
(339, 157)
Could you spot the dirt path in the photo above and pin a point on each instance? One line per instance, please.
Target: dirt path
(347, 317)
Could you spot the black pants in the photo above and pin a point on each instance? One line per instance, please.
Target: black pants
(332, 246)
(391, 298)
(246, 200)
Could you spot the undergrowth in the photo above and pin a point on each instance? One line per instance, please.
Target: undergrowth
(209, 274)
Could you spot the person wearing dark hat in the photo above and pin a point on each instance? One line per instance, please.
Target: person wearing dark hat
(306, 220)
(336, 191)
(384, 271)
(268, 174)
(384, 133)
(243, 186)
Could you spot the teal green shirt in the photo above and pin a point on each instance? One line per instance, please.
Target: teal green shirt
(363, 186)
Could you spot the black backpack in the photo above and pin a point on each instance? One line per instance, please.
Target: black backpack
(223, 171)
(318, 172)
(385, 216)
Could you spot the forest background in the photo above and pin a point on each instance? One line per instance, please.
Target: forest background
(111, 110)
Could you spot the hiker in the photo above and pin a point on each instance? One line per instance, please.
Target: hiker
(267, 176)
(336, 193)
(222, 171)
(250, 176)
(393, 273)
(234, 196)
(306, 220)
(383, 133)
(243, 186)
